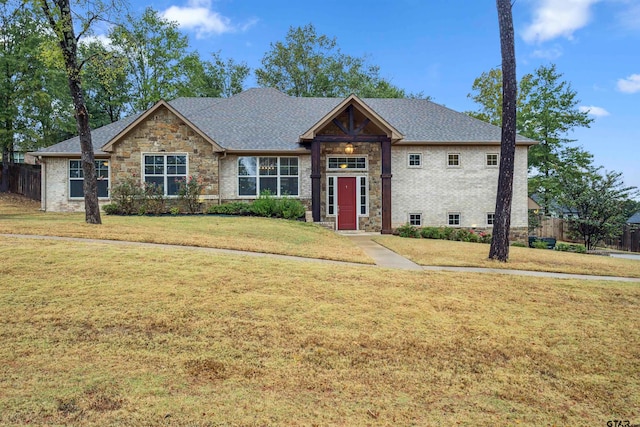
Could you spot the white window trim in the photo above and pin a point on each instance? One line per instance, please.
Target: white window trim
(459, 219)
(459, 165)
(487, 219)
(486, 160)
(409, 165)
(278, 176)
(414, 213)
(165, 154)
(82, 179)
(358, 195)
(365, 157)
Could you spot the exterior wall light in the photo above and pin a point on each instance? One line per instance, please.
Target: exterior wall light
(348, 149)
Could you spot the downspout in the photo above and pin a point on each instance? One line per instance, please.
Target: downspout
(43, 184)
(224, 156)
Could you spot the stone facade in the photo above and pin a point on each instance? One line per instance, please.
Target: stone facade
(372, 221)
(164, 133)
(435, 189)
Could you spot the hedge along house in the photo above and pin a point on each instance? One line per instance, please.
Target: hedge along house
(360, 164)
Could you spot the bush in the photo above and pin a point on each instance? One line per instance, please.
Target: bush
(265, 205)
(111, 209)
(408, 230)
(565, 247)
(449, 233)
(288, 208)
(432, 233)
(189, 193)
(154, 201)
(540, 244)
(518, 244)
(231, 208)
(128, 196)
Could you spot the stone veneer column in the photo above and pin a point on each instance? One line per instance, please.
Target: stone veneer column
(386, 187)
(315, 180)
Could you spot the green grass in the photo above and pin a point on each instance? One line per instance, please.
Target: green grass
(462, 254)
(176, 337)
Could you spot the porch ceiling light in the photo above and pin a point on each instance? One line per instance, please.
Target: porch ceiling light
(348, 149)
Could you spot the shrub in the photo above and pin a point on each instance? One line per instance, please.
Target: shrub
(540, 244)
(448, 232)
(265, 205)
(485, 237)
(111, 209)
(231, 208)
(565, 247)
(128, 196)
(189, 193)
(288, 208)
(174, 210)
(519, 244)
(461, 235)
(432, 233)
(154, 200)
(408, 230)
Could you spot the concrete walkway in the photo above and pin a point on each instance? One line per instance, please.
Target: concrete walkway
(382, 257)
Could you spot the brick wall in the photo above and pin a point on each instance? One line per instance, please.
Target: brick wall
(435, 189)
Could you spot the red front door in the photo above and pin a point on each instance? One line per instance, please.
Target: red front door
(347, 204)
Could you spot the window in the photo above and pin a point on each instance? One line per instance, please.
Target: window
(347, 163)
(331, 195)
(453, 160)
(492, 159)
(361, 195)
(415, 160)
(18, 157)
(278, 175)
(415, 219)
(76, 178)
(454, 218)
(165, 171)
(491, 218)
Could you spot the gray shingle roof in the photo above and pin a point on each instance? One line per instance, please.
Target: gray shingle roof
(635, 218)
(266, 119)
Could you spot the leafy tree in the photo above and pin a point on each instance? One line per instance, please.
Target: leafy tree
(309, 64)
(547, 111)
(155, 52)
(550, 112)
(499, 249)
(105, 83)
(596, 202)
(33, 98)
(215, 78)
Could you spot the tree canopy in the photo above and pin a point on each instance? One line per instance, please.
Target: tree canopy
(310, 64)
(547, 110)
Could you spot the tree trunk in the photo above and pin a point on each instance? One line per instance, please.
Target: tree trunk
(500, 241)
(69, 45)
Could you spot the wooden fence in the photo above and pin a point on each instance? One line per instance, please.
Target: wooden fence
(553, 227)
(628, 241)
(558, 228)
(23, 179)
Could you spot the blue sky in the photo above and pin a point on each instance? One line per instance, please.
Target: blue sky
(440, 47)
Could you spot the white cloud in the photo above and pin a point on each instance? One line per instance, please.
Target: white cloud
(550, 54)
(557, 18)
(629, 85)
(198, 16)
(594, 111)
(100, 38)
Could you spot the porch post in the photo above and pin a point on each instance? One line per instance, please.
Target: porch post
(315, 180)
(386, 186)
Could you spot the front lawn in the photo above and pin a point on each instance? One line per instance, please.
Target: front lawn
(21, 216)
(165, 336)
(462, 254)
